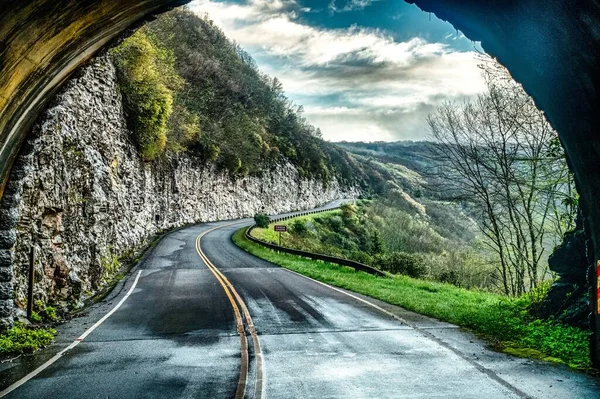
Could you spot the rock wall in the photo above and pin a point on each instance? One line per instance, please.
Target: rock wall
(80, 193)
(567, 298)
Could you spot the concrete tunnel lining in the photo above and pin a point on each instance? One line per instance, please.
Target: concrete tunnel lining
(550, 46)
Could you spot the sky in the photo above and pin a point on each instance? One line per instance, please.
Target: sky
(364, 70)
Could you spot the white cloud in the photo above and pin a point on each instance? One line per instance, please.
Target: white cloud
(373, 77)
(350, 5)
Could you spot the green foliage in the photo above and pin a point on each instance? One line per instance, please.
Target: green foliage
(23, 339)
(402, 263)
(184, 129)
(504, 322)
(147, 80)
(298, 227)
(376, 243)
(35, 317)
(186, 87)
(379, 234)
(50, 313)
(110, 264)
(348, 211)
(262, 220)
(44, 313)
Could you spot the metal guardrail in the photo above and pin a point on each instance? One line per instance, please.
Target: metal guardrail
(325, 258)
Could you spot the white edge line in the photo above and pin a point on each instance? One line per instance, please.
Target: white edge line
(481, 368)
(73, 344)
(392, 315)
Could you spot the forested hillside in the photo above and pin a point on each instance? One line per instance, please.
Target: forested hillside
(186, 87)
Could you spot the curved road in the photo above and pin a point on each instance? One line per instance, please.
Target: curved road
(177, 335)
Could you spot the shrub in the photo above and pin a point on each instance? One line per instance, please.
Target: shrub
(298, 227)
(402, 263)
(35, 317)
(43, 312)
(262, 220)
(376, 243)
(22, 339)
(335, 223)
(348, 211)
(450, 277)
(50, 314)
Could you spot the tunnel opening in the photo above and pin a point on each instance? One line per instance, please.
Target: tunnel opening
(521, 30)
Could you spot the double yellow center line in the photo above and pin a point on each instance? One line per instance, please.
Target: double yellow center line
(237, 303)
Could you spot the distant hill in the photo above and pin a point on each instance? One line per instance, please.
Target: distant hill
(403, 173)
(415, 155)
(409, 164)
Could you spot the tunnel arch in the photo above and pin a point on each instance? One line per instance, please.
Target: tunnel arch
(550, 46)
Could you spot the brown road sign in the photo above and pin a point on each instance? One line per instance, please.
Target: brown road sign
(280, 228)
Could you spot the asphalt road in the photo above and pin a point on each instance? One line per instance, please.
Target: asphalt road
(176, 336)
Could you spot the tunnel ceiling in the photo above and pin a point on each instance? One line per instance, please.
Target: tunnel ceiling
(41, 43)
(551, 46)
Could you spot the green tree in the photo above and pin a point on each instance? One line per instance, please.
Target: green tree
(376, 243)
(261, 220)
(402, 263)
(147, 80)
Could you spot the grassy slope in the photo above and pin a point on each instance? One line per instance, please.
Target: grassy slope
(504, 322)
(270, 235)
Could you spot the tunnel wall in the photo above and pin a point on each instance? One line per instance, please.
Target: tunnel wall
(41, 43)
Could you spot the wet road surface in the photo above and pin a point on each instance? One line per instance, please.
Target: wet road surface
(177, 336)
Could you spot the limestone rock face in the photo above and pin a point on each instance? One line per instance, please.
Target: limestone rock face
(81, 194)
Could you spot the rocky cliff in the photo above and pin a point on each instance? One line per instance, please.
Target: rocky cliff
(82, 196)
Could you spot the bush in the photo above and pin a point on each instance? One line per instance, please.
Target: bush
(348, 211)
(336, 224)
(22, 339)
(261, 220)
(49, 314)
(450, 277)
(35, 317)
(43, 313)
(402, 263)
(298, 227)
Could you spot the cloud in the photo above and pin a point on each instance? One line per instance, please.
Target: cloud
(355, 82)
(351, 5)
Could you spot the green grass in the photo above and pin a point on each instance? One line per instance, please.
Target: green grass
(23, 339)
(269, 235)
(505, 323)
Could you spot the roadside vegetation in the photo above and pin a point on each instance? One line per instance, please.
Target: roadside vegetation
(506, 323)
(391, 234)
(21, 338)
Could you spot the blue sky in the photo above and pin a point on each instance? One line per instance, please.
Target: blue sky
(363, 69)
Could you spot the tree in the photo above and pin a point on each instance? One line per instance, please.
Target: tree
(147, 80)
(499, 154)
(261, 220)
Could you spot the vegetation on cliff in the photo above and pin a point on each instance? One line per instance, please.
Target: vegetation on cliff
(186, 87)
(148, 82)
